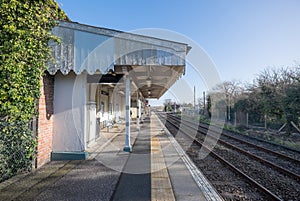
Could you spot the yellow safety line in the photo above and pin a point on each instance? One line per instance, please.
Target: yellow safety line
(161, 188)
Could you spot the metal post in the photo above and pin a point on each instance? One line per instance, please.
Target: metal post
(127, 147)
(137, 112)
(265, 121)
(229, 108)
(247, 120)
(175, 107)
(194, 100)
(234, 119)
(204, 103)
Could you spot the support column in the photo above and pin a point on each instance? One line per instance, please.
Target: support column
(127, 147)
(137, 112)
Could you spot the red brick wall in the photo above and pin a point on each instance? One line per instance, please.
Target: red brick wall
(45, 120)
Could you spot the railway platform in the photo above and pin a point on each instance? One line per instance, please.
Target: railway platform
(156, 169)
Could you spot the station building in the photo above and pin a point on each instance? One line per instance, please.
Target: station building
(99, 77)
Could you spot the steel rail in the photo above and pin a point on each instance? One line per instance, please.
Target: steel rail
(252, 155)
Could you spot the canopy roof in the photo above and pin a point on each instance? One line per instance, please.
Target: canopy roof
(153, 64)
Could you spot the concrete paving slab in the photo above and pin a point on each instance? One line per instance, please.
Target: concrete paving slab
(184, 186)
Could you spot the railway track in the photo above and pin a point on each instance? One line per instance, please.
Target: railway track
(274, 173)
(286, 164)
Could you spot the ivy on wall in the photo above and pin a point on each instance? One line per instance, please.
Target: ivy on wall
(25, 30)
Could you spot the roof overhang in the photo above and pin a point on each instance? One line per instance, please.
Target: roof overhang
(154, 64)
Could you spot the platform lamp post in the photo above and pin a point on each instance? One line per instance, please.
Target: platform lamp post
(127, 147)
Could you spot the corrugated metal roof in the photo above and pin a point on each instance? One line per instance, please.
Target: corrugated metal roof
(90, 49)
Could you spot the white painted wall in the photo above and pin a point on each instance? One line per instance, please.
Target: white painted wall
(119, 106)
(69, 112)
(123, 107)
(91, 122)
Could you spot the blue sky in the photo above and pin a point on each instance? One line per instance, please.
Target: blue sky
(241, 36)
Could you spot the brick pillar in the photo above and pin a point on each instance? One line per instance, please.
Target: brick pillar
(45, 120)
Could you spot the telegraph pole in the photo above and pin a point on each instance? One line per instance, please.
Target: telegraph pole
(229, 108)
(203, 102)
(194, 98)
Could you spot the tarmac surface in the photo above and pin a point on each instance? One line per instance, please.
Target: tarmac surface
(140, 189)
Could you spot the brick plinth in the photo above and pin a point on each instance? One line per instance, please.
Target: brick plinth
(45, 120)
